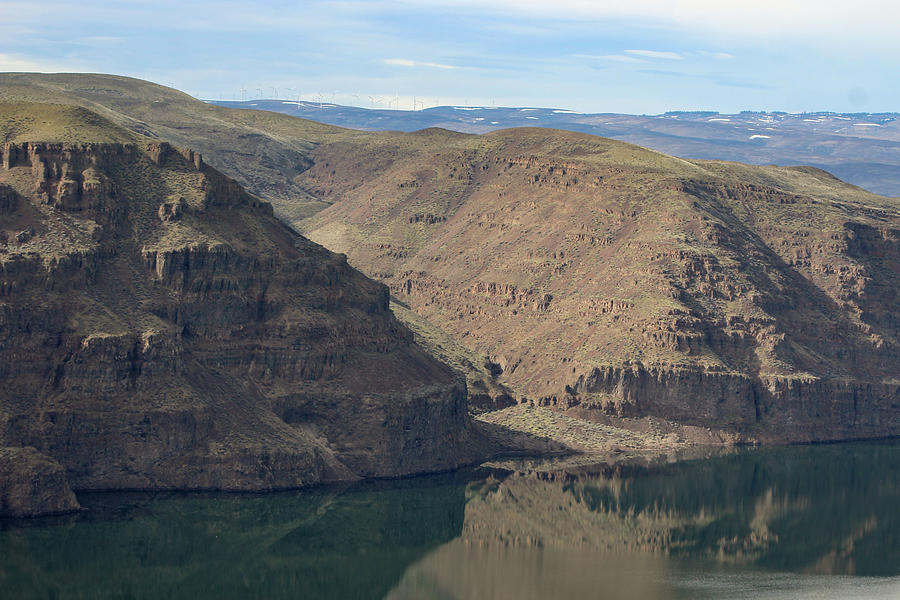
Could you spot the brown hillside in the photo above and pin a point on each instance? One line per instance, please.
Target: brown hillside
(264, 151)
(611, 280)
(160, 328)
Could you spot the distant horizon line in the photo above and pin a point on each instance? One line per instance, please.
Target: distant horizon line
(461, 106)
(548, 108)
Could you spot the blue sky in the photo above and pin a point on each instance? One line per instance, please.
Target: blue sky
(641, 56)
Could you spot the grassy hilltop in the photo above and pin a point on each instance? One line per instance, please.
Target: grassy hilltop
(263, 151)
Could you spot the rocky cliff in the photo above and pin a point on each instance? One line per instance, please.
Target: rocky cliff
(610, 280)
(32, 484)
(159, 328)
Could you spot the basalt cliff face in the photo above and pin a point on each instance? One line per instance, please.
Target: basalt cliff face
(32, 484)
(160, 329)
(613, 281)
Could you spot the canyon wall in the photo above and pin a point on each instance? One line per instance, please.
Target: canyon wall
(611, 280)
(160, 329)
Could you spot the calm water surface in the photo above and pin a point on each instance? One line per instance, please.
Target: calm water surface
(802, 522)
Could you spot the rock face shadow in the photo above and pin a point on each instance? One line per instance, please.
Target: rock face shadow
(495, 439)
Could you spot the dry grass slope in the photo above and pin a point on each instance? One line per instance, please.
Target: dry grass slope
(265, 152)
(600, 274)
(25, 122)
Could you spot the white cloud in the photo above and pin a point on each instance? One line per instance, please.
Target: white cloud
(611, 57)
(713, 55)
(656, 54)
(824, 23)
(17, 63)
(405, 62)
(98, 40)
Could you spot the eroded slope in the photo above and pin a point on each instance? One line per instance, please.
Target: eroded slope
(600, 275)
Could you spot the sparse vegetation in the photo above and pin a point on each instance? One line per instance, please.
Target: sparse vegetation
(596, 273)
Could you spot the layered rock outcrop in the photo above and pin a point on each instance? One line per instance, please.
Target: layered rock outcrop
(32, 485)
(161, 329)
(603, 276)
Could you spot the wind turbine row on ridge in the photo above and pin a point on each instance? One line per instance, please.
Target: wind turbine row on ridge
(392, 102)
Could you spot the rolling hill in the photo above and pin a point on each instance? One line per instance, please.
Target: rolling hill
(861, 148)
(263, 151)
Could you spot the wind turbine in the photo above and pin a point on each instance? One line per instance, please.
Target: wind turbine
(259, 92)
(243, 94)
(374, 99)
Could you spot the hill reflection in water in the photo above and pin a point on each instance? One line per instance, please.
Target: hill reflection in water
(788, 522)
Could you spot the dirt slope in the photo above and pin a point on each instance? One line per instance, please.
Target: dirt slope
(605, 277)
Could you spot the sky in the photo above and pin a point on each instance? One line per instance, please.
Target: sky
(628, 56)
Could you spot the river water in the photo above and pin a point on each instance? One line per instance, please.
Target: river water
(799, 522)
